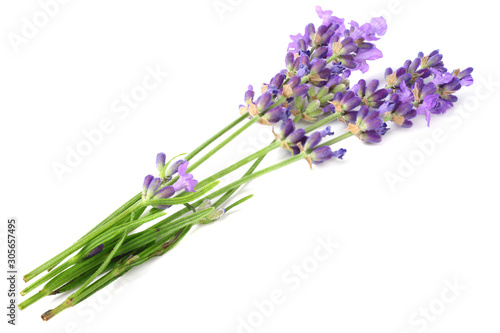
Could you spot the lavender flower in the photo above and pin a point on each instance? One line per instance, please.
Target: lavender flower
(367, 125)
(369, 94)
(160, 161)
(186, 181)
(153, 185)
(147, 181)
(330, 20)
(287, 127)
(249, 95)
(340, 153)
(395, 79)
(275, 115)
(344, 104)
(402, 112)
(429, 103)
(465, 77)
(294, 88)
(432, 61)
(164, 193)
(322, 154)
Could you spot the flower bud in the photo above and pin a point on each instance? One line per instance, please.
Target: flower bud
(326, 98)
(164, 193)
(300, 90)
(296, 136)
(312, 108)
(274, 115)
(160, 161)
(313, 141)
(147, 182)
(173, 167)
(249, 94)
(96, 250)
(320, 53)
(287, 127)
(277, 81)
(263, 101)
(318, 66)
(289, 60)
(321, 155)
(152, 188)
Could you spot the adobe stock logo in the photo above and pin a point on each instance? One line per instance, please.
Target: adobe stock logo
(407, 166)
(293, 279)
(222, 7)
(122, 108)
(420, 320)
(32, 25)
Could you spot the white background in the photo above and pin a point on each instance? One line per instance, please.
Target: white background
(398, 245)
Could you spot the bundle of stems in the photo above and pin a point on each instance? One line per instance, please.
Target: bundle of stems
(313, 88)
(124, 250)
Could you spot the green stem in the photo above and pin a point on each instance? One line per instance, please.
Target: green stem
(229, 193)
(115, 273)
(264, 151)
(223, 143)
(101, 268)
(322, 122)
(240, 163)
(256, 175)
(239, 202)
(332, 58)
(154, 249)
(215, 137)
(81, 242)
(337, 139)
(53, 262)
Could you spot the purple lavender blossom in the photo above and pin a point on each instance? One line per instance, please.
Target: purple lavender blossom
(329, 19)
(405, 94)
(153, 187)
(186, 181)
(264, 101)
(368, 31)
(370, 94)
(313, 140)
(402, 112)
(296, 136)
(383, 129)
(287, 127)
(432, 61)
(164, 193)
(249, 95)
(367, 125)
(395, 79)
(322, 154)
(274, 115)
(340, 153)
(327, 131)
(344, 104)
(364, 55)
(465, 77)
(429, 103)
(294, 44)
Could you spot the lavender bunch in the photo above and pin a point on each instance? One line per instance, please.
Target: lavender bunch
(314, 89)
